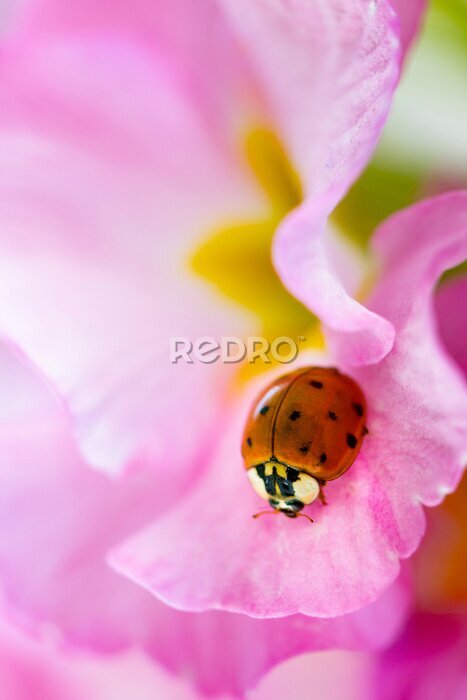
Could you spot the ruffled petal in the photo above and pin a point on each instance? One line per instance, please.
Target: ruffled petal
(307, 267)
(99, 213)
(413, 455)
(58, 520)
(417, 395)
(327, 71)
(339, 121)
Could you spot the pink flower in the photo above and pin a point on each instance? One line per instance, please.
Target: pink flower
(121, 141)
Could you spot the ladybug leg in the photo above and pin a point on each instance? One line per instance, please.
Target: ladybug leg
(322, 497)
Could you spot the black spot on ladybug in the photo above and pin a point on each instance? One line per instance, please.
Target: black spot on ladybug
(358, 408)
(332, 415)
(270, 482)
(351, 440)
(304, 449)
(261, 471)
(270, 485)
(274, 482)
(316, 384)
(293, 474)
(249, 442)
(365, 430)
(323, 457)
(285, 485)
(264, 410)
(294, 415)
(286, 488)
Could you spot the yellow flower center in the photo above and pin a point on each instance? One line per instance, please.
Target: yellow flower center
(237, 257)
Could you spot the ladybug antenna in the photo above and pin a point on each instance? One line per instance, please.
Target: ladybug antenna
(265, 512)
(304, 515)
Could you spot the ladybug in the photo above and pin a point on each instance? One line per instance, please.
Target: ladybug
(306, 428)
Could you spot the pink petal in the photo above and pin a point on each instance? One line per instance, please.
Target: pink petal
(225, 652)
(327, 71)
(93, 266)
(410, 14)
(451, 314)
(339, 120)
(184, 35)
(354, 92)
(306, 266)
(58, 520)
(33, 668)
(428, 661)
(414, 455)
(327, 673)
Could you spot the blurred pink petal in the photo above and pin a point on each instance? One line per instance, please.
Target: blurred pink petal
(428, 663)
(414, 455)
(185, 36)
(33, 669)
(329, 675)
(226, 652)
(451, 313)
(410, 14)
(97, 222)
(58, 520)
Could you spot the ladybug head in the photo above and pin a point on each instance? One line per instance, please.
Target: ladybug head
(289, 506)
(286, 488)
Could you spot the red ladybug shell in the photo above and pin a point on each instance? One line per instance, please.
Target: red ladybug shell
(312, 419)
